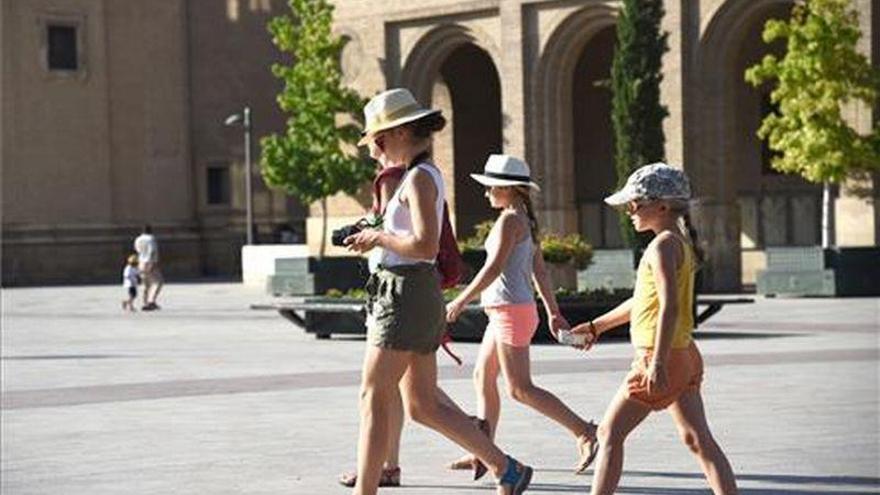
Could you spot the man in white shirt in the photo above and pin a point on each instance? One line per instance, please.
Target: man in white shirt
(148, 262)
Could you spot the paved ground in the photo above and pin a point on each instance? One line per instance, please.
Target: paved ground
(208, 397)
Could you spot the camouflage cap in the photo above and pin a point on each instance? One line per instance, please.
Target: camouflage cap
(654, 181)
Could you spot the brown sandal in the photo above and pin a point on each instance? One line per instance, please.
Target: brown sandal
(389, 477)
(588, 447)
(482, 425)
(470, 461)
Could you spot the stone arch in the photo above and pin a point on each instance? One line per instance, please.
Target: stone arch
(422, 66)
(716, 150)
(455, 69)
(550, 145)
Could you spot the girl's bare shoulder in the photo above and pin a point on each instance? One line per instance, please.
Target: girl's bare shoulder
(665, 246)
(512, 223)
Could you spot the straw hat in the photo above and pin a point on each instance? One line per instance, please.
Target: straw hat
(504, 170)
(390, 109)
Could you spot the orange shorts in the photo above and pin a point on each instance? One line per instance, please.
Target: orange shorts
(513, 324)
(684, 372)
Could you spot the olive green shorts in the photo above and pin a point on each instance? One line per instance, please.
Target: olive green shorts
(405, 308)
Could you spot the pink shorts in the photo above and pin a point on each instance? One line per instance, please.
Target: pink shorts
(513, 324)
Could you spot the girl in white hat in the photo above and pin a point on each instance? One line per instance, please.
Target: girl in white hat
(405, 308)
(667, 369)
(505, 287)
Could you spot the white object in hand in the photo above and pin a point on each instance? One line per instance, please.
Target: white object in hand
(568, 338)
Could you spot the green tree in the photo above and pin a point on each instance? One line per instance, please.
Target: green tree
(315, 157)
(636, 113)
(820, 73)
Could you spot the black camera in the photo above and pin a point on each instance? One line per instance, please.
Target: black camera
(339, 235)
(337, 238)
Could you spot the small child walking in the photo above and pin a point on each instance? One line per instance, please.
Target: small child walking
(506, 288)
(130, 279)
(667, 369)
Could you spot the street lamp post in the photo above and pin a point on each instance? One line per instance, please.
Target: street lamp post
(244, 119)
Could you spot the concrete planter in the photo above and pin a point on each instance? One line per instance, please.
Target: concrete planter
(312, 276)
(611, 269)
(258, 261)
(562, 275)
(814, 271)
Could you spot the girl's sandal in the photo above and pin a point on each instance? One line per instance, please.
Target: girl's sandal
(516, 477)
(470, 461)
(389, 477)
(480, 469)
(588, 447)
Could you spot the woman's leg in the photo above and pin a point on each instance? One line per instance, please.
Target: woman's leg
(690, 418)
(395, 429)
(420, 398)
(486, 381)
(517, 370)
(621, 417)
(383, 369)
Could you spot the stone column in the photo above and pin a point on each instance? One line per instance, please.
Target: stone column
(718, 229)
(857, 222)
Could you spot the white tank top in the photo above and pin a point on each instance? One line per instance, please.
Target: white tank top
(397, 220)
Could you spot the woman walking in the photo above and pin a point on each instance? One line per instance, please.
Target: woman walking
(405, 306)
(667, 370)
(504, 285)
(385, 184)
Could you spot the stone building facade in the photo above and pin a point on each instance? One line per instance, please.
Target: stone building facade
(134, 132)
(112, 117)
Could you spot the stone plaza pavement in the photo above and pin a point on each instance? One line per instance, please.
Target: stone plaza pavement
(209, 397)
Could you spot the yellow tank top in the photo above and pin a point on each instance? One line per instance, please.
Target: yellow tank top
(645, 315)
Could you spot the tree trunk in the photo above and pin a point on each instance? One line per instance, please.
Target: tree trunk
(323, 247)
(828, 239)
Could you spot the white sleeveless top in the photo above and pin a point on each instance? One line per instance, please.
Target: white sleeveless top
(397, 220)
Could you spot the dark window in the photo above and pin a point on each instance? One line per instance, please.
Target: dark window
(62, 48)
(218, 185)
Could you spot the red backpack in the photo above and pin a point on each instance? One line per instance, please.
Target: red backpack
(449, 261)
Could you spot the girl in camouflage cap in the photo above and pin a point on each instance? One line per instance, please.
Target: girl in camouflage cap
(667, 370)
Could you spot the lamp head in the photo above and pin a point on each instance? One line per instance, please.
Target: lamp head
(233, 119)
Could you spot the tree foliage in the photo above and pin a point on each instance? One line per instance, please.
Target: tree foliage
(312, 159)
(820, 73)
(636, 113)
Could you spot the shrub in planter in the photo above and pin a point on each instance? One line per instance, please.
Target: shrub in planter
(572, 249)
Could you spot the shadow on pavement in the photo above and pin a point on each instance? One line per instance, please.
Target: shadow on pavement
(840, 485)
(773, 478)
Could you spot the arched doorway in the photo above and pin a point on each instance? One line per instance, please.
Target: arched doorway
(745, 206)
(775, 209)
(566, 140)
(453, 68)
(593, 143)
(473, 84)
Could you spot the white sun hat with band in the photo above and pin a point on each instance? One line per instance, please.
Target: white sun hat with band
(390, 109)
(504, 170)
(654, 181)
